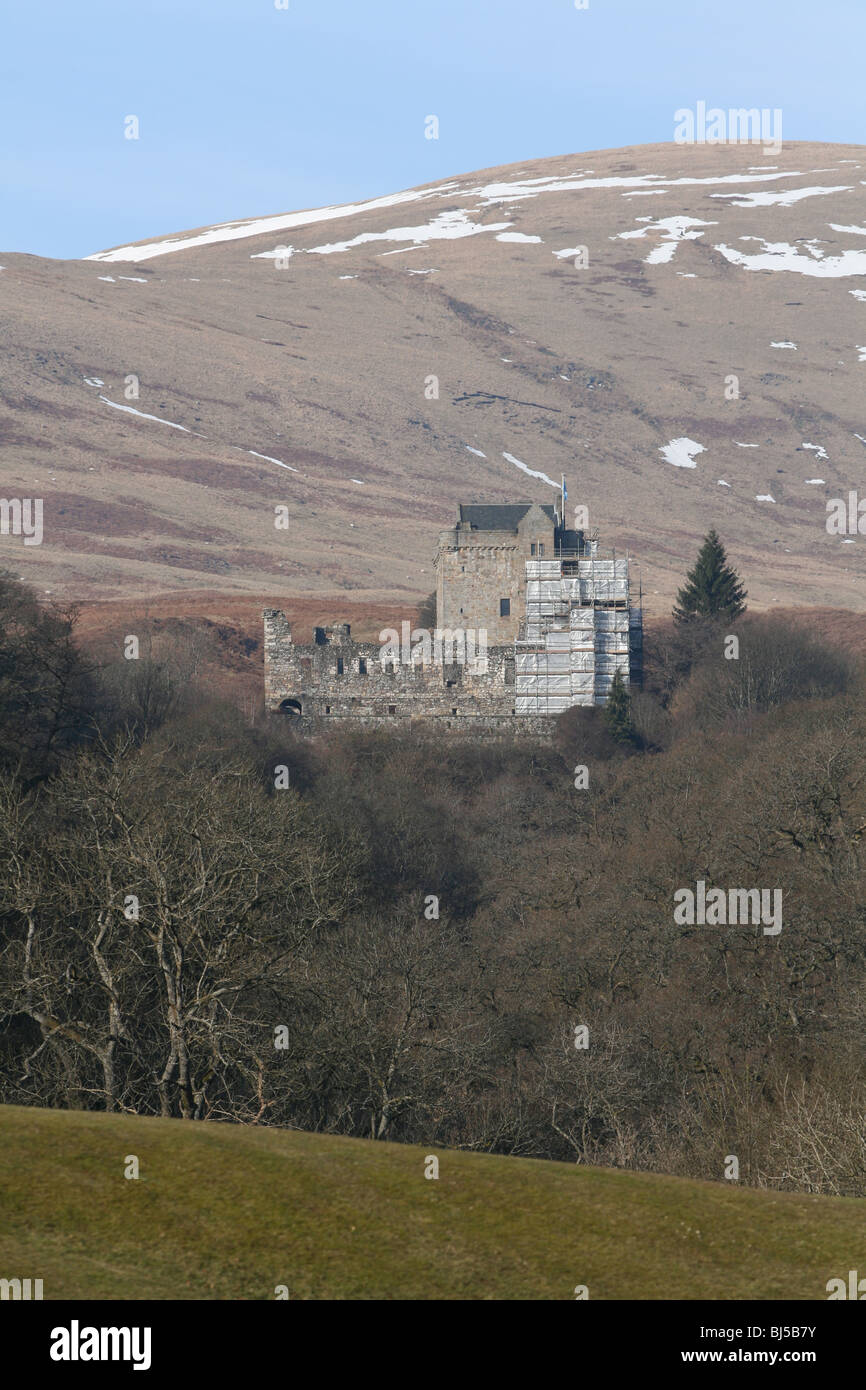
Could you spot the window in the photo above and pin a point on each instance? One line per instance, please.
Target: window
(362, 666)
(541, 548)
(505, 608)
(327, 709)
(454, 711)
(339, 666)
(533, 549)
(392, 709)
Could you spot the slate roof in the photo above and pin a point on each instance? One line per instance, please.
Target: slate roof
(493, 516)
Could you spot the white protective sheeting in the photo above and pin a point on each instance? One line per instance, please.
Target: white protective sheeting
(579, 631)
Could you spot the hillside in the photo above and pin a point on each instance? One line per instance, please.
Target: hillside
(306, 380)
(223, 1212)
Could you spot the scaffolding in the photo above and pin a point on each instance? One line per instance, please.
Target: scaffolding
(580, 630)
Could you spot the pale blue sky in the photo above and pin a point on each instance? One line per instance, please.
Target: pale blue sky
(247, 110)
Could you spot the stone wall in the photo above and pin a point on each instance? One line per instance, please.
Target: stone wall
(472, 581)
(335, 677)
(478, 727)
(476, 570)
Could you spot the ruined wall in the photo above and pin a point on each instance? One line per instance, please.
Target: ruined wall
(339, 678)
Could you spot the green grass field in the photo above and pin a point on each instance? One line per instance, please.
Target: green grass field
(224, 1212)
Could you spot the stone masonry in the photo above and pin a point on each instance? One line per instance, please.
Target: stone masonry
(530, 620)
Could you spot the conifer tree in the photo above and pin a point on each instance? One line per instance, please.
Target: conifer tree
(617, 712)
(712, 588)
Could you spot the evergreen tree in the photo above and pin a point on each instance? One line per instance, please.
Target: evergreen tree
(712, 589)
(617, 713)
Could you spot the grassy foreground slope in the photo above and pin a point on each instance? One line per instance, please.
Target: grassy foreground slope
(225, 1212)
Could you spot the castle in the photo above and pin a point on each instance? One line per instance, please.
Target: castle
(530, 619)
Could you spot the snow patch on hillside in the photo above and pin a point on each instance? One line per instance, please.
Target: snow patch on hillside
(501, 192)
(261, 226)
(780, 255)
(532, 188)
(452, 225)
(682, 452)
(530, 472)
(268, 459)
(783, 197)
(140, 413)
(673, 230)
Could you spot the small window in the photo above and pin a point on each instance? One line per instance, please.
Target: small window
(339, 666)
(327, 709)
(392, 709)
(533, 549)
(362, 666)
(454, 711)
(541, 548)
(505, 608)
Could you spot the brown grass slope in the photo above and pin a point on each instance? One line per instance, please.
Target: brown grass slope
(323, 365)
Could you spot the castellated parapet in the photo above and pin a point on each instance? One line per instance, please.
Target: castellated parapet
(531, 619)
